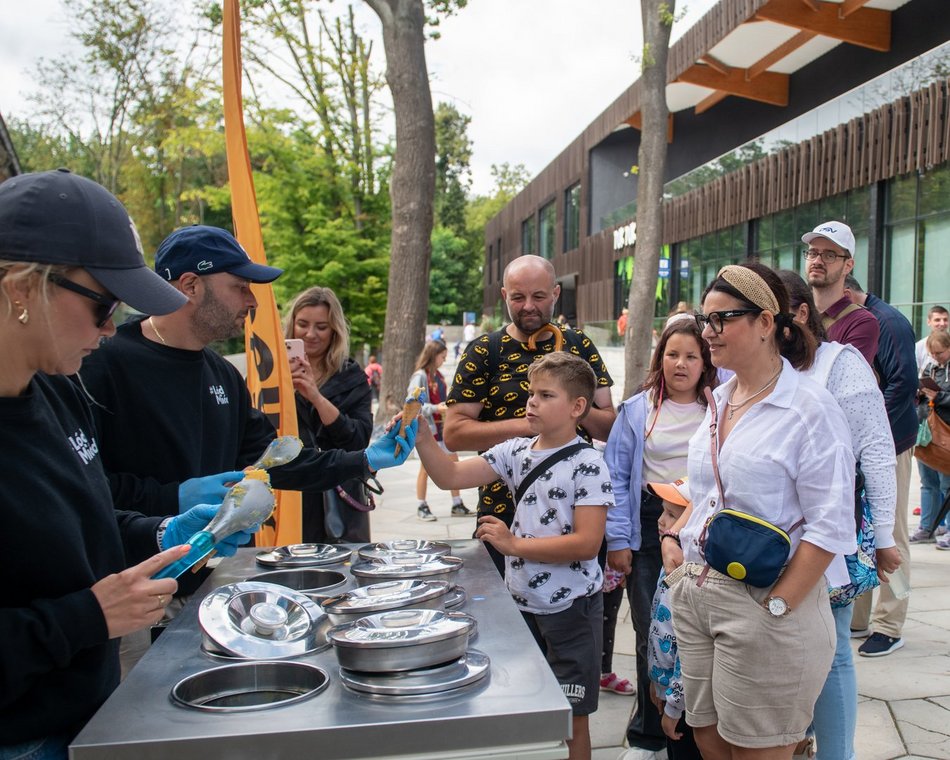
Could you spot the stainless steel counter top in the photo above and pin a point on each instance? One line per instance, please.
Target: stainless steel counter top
(518, 711)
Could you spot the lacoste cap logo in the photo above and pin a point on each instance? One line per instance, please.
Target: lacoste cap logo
(204, 266)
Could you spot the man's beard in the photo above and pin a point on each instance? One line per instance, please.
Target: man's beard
(214, 322)
(531, 322)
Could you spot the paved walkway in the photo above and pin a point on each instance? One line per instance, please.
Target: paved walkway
(904, 710)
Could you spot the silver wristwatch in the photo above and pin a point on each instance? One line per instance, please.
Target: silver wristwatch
(777, 606)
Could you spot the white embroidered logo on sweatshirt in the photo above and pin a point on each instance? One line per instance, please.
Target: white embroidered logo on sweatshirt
(84, 446)
(219, 395)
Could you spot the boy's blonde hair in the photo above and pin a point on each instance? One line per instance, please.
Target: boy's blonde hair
(574, 374)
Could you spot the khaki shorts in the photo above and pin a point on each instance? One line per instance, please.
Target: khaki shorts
(754, 676)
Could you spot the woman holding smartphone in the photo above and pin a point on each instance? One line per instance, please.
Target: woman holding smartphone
(334, 410)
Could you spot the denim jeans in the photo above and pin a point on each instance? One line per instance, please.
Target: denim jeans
(933, 490)
(47, 748)
(836, 711)
(645, 730)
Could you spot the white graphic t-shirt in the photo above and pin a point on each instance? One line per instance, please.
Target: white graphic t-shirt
(547, 509)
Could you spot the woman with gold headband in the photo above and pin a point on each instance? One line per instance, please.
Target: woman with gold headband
(754, 659)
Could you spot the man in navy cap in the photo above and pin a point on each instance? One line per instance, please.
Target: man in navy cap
(175, 421)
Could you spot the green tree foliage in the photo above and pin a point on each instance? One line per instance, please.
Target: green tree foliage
(453, 156)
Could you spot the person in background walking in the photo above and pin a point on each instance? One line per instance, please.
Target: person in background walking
(938, 320)
(430, 380)
(334, 410)
(374, 376)
(648, 443)
(934, 485)
(895, 365)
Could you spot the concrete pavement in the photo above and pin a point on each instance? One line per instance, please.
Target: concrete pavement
(904, 698)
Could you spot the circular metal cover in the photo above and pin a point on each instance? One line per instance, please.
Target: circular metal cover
(225, 617)
(387, 549)
(304, 555)
(408, 565)
(315, 583)
(455, 598)
(401, 628)
(250, 686)
(387, 595)
(467, 669)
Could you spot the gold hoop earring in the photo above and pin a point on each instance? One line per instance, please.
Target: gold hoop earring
(24, 315)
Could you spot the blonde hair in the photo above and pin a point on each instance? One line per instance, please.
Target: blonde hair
(13, 271)
(339, 350)
(938, 341)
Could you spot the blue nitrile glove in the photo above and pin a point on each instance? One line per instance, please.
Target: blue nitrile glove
(382, 453)
(209, 489)
(227, 547)
(183, 527)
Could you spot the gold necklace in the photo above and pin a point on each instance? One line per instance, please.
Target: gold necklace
(733, 406)
(158, 335)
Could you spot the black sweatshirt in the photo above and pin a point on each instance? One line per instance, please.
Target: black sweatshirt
(165, 415)
(60, 536)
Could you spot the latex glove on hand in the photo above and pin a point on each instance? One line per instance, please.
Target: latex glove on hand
(209, 489)
(227, 547)
(180, 529)
(382, 453)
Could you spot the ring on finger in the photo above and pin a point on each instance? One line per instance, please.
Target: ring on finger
(161, 600)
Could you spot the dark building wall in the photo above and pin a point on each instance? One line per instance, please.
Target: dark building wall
(612, 185)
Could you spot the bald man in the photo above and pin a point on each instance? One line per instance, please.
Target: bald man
(490, 390)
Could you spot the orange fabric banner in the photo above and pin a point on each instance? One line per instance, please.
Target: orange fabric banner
(268, 370)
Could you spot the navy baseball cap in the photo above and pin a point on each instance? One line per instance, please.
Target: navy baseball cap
(208, 250)
(58, 217)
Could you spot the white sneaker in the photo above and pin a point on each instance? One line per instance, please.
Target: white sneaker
(943, 542)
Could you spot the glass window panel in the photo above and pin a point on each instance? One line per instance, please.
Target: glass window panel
(528, 231)
(787, 257)
(934, 261)
(901, 198)
(899, 282)
(935, 191)
(572, 217)
(860, 270)
(833, 208)
(763, 239)
(785, 229)
(806, 219)
(859, 208)
(546, 230)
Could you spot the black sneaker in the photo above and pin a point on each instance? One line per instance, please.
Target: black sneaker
(879, 645)
(460, 510)
(425, 514)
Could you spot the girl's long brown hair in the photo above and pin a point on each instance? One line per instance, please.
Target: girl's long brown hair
(654, 383)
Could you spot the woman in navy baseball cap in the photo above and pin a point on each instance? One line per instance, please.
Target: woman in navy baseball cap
(68, 254)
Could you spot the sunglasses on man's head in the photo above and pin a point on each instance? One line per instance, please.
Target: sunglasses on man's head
(105, 305)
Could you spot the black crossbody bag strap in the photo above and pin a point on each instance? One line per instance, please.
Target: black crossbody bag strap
(556, 457)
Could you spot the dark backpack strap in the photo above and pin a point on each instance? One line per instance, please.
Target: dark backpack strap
(556, 457)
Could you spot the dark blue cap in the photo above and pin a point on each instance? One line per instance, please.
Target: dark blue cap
(58, 217)
(208, 250)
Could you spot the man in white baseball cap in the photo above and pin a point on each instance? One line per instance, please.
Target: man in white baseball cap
(829, 258)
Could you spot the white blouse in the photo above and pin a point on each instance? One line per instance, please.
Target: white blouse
(788, 457)
(844, 372)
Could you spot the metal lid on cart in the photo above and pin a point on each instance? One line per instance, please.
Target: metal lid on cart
(303, 555)
(407, 565)
(261, 621)
(423, 683)
(401, 628)
(386, 595)
(384, 550)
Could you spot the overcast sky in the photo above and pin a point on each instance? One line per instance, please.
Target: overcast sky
(532, 74)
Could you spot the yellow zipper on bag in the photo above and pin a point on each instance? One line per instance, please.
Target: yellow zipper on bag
(760, 521)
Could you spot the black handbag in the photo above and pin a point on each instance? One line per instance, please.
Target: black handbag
(345, 511)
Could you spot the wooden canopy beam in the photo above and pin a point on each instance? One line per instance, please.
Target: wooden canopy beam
(866, 27)
(636, 121)
(768, 87)
(787, 47)
(709, 101)
(850, 6)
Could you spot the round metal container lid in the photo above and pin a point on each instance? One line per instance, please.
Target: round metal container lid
(469, 668)
(383, 596)
(406, 566)
(386, 549)
(401, 628)
(261, 621)
(304, 555)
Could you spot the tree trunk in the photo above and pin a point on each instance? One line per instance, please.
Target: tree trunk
(411, 190)
(651, 159)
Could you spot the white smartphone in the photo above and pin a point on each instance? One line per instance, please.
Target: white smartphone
(295, 349)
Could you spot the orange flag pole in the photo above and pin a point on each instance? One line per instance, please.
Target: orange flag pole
(268, 370)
